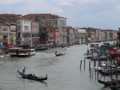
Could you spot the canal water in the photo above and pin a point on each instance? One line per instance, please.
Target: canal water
(63, 72)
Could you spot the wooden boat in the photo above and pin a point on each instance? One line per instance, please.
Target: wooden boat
(58, 54)
(115, 87)
(109, 83)
(32, 76)
(89, 56)
(109, 72)
(102, 58)
(41, 47)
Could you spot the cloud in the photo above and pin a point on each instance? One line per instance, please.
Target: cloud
(81, 12)
(56, 10)
(4, 2)
(75, 2)
(37, 3)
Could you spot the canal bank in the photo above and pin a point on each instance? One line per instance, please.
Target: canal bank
(63, 72)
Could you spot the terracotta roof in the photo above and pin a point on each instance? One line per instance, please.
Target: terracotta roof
(45, 16)
(92, 28)
(9, 18)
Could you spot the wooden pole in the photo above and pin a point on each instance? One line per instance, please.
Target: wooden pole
(84, 64)
(80, 65)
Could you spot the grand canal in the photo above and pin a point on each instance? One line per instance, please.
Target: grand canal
(63, 72)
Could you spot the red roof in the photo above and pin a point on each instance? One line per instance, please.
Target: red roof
(46, 16)
(9, 18)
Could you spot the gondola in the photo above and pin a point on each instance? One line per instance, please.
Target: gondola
(102, 58)
(109, 72)
(58, 54)
(32, 76)
(109, 83)
(116, 87)
(89, 56)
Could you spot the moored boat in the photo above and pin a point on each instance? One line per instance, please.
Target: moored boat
(108, 70)
(109, 83)
(58, 53)
(20, 52)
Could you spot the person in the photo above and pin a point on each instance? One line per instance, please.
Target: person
(24, 70)
(56, 52)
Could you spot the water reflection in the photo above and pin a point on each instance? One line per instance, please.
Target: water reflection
(44, 82)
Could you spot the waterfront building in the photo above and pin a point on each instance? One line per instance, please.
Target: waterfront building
(46, 24)
(82, 35)
(98, 34)
(24, 32)
(42, 28)
(8, 29)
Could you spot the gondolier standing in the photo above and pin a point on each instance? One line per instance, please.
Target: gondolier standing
(23, 70)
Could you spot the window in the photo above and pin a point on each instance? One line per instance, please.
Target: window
(26, 28)
(5, 29)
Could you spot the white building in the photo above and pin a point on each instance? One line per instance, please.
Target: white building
(24, 32)
(82, 35)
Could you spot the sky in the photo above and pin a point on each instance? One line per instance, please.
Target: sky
(79, 13)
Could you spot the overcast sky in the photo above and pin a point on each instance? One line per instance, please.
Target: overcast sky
(81, 13)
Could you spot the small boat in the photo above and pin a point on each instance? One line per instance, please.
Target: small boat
(58, 54)
(89, 56)
(21, 52)
(109, 72)
(115, 87)
(41, 47)
(103, 58)
(32, 76)
(109, 83)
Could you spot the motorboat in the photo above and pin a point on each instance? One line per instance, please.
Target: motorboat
(21, 52)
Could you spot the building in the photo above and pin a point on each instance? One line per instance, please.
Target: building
(53, 36)
(82, 35)
(91, 34)
(47, 20)
(24, 32)
(42, 28)
(69, 35)
(8, 28)
(98, 34)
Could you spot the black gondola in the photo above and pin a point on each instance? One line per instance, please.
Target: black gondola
(109, 83)
(58, 54)
(116, 87)
(109, 72)
(32, 76)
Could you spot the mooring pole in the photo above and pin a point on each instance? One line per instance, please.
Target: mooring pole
(80, 65)
(84, 64)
